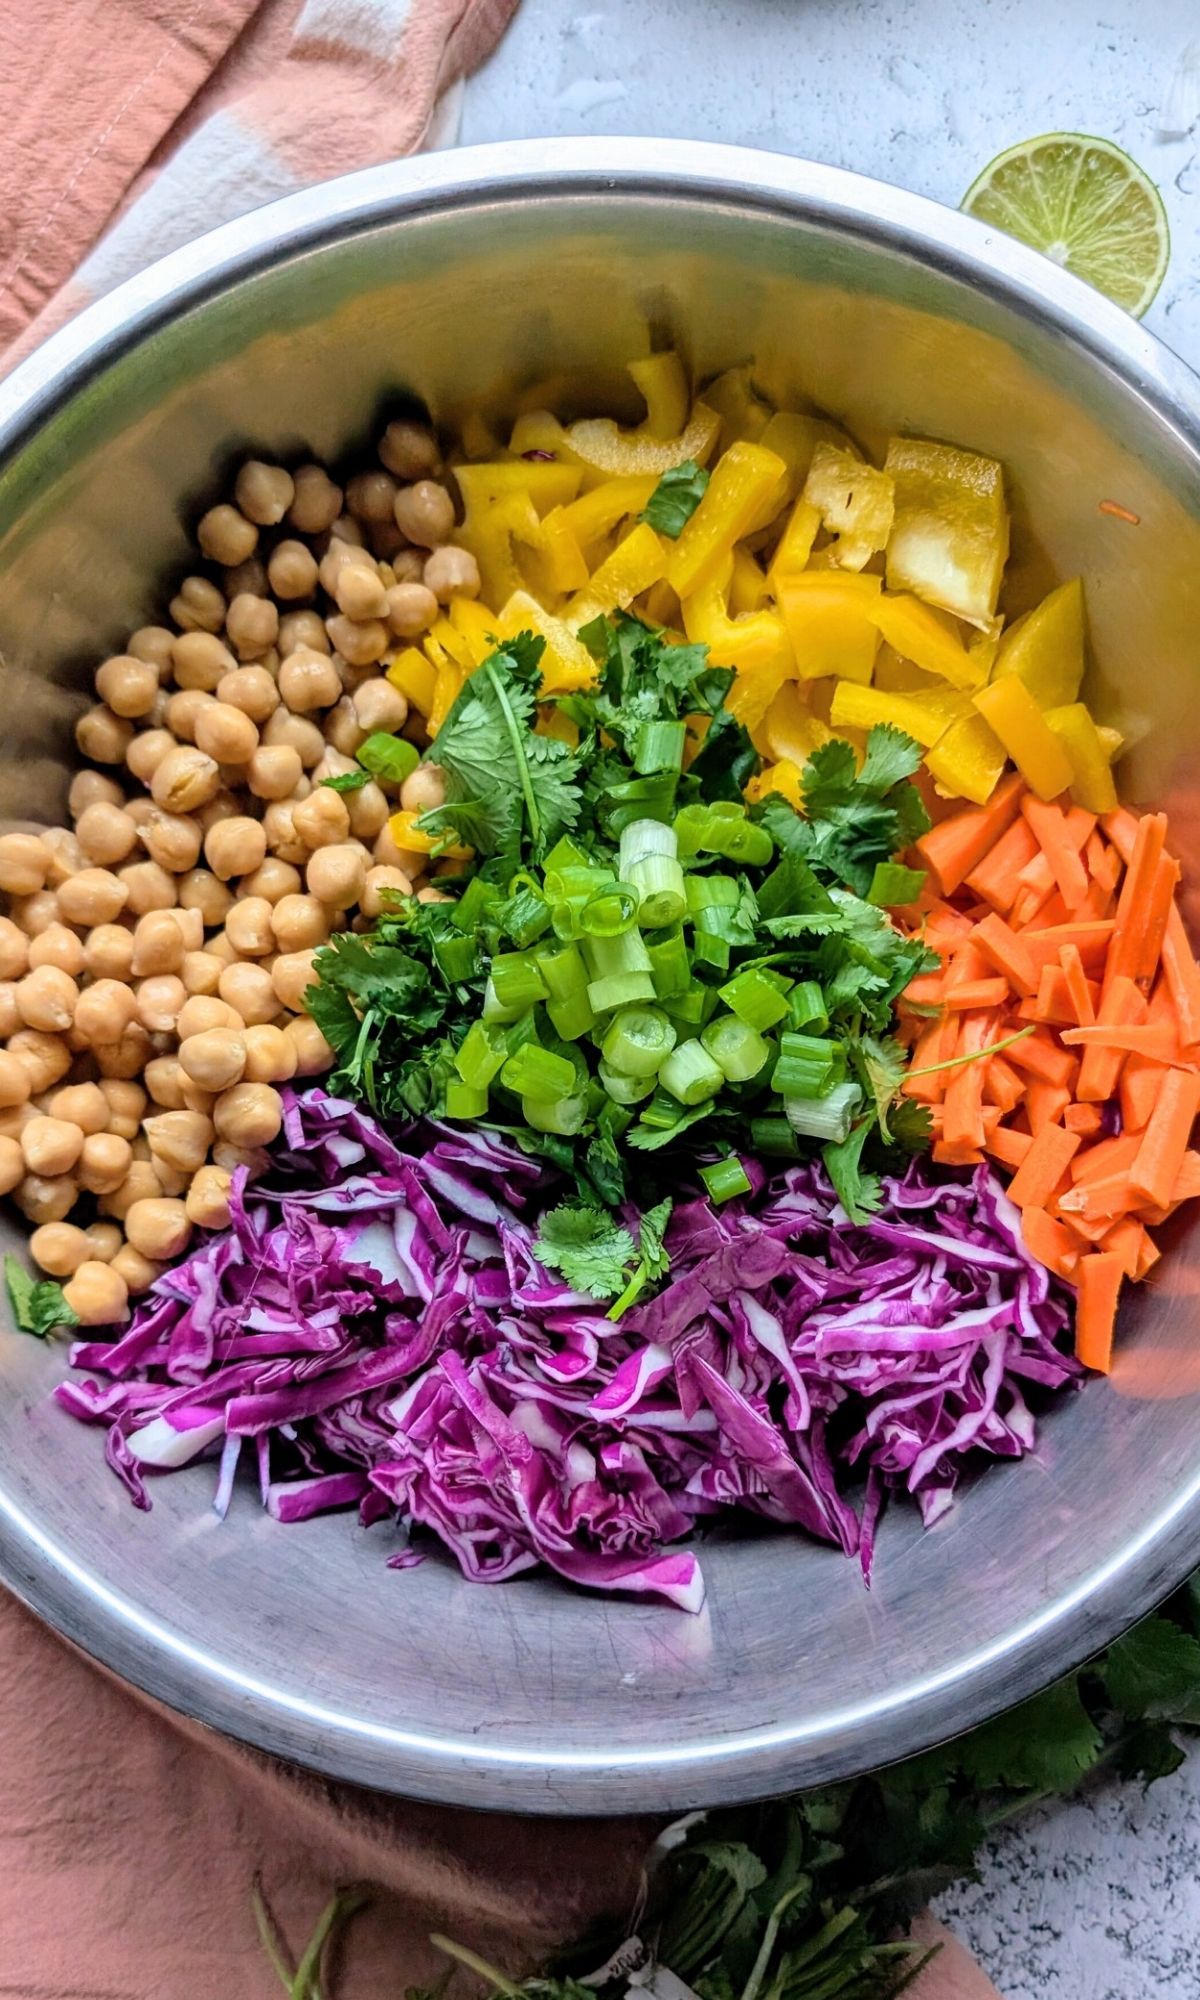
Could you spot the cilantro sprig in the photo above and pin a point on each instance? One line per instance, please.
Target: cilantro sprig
(38, 1305)
(597, 1254)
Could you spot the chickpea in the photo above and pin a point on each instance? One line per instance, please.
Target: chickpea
(322, 818)
(380, 706)
(271, 881)
(198, 606)
(369, 810)
(303, 629)
(200, 661)
(219, 947)
(183, 712)
(235, 846)
(369, 496)
(424, 789)
(60, 947)
(412, 608)
(248, 990)
(108, 952)
(158, 944)
(141, 1183)
(148, 887)
(200, 972)
(299, 923)
(343, 732)
(225, 535)
(431, 895)
(47, 998)
(313, 1053)
(171, 839)
(222, 806)
(180, 1138)
(159, 1000)
(270, 1057)
(127, 684)
(159, 1228)
(248, 1114)
(14, 1081)
(229, 1158)
(273, 772)
(185, 779)
(14, 949)
(104, 1241)
(200, 890)
(282, 839)
(407, 566)
(137, 1271)
(92, 788)
(97, 1294)
(360, 591)
(335, 875)
(424, 513)
(201, 1014)
(214, 1058)
(10, 1018)
(409, 449)
(126, 1105)
(51, 1145)
(291, 975)
(24, 863)
(251, 690)
(104, 1010)
(386, 854)
(46, 1198)
(289, 731)
(263, 492)
(347, 530)
(360, 644)
(381, 882)
(452, 572)
(307, 681)
(251, 625)
(12, 1164)
(82, 1104)
(164, 1080)
(105, 834)
(103, 736)
(225, 733)
(66, 855)
(59, 1248)
(153, 643)
(248, 927)
(207, 1200)
(316, 502)
(35, 914)
(104, 1162)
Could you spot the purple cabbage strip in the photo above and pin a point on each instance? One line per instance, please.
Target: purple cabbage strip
(376, 1322)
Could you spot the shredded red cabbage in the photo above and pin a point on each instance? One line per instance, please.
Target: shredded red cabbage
(375, 1326)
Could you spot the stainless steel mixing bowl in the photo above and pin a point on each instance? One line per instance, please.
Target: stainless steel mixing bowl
(463, 278)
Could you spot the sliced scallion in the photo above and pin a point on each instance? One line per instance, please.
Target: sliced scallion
(691, 1074)
(638, 1041)
(738, 1051)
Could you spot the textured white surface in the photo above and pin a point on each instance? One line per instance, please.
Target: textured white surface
(1098, 1900)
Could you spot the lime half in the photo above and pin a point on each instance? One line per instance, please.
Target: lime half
(1085, 204)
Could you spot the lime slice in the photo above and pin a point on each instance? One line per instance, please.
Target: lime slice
(1085, 204)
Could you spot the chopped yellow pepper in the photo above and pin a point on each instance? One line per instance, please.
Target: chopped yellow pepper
(663, 382)
(490, 530)
(794, 547)
(412, 673)
(743, 478)
(854, 500)
(748, 587)
(927, 637)
(1011, 711)
(598, 444)
(597, 513)
(1046, 647)
(548, 484)
(949, 541)
(633, 566)
(552, 722)
(783, 777)
(896, 675)
(744, 415)
(447, 687)
(478, 627)
(566, 662)
(925, 717)
(1111, 740)
(1092, 784)
(757, 645)
(792, 731)
(407, 835)
(538, 430)
(968, 761)
(830, 620)
(560, 557)
(662, 607)
(452, 643)
(796, 438)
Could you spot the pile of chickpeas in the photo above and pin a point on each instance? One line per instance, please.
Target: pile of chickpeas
(155, 955)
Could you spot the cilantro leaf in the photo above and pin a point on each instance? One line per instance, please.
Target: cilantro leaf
(859, 1193)
(347, 781)
(590, 1249)
(828, 778)
(1154, 1671)
(854, 819)
(881, 1066)
(38, 1305)
(1041, 1745)
(650, 1239)
(891, 756)
(675, 498)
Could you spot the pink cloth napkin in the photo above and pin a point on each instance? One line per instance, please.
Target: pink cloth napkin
(129, 1838)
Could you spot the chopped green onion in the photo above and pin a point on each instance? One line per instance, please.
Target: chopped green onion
(391, 758)
(643, 838)
(482, 1056)
(725, 1178)
(694, 1007)
(773, 1137)
(620, 969)
(611, 911)
(625, 1089)
(738, 1051)
(650, 797)
(564, 854)
(494, 1008)
(659, 746)
(565, 1115)
(538, 1073)
(575, 881)
(893, 884)
(465, 1100)
(691, 1074)
(638, 1041)
(564, 972)
(710, 948)
(711, 892)
(806, 1005)
(457, 956)
(661, 891)
(808, 1067)
(691, 826)
(572, 1017)
(757, 996)
(826, 1118)
(517, 979)
(662, 1112)
(670, 966)
(528, 916)
(619, 990)
(473, 907)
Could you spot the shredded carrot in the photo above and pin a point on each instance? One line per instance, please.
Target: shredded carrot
(1045, 1059)
(1008, 1145)
(1120, 513)
(1126, 951)
(1121, 1005)
(1183, 977)
(1139, 1088)
(1124, 1241)
(1002, 1085)
(1037, 1179)
(1045, 1103)
(1106, 1157)
(1164, 1142)
(925, 990)
(956, 845)
(1099, 1280)
(1049, 1241)
(1006, 952)
(1044, 943)
(976, 993)
(1055, 839)
(1161, 903)
(1078, 987)
(1156, 1043)
(995, 878)
(963, 1102)
(1187, 1180)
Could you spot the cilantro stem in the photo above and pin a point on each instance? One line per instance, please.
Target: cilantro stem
(633, 1290)
(305, 1985)
(955, 1062)
(514, 732)
(478, 1965)
(269, 1939)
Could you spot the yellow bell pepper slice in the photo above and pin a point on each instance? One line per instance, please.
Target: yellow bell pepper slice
(566, 662)
(1011, 711)
(548, 484)
(791, 729)
(949, 540)
(477, 628)
(925, 717)
(560, 556)
(896, 675)
(968, 762)
(830, 620)
(405, 832)
(743, 478)
(748, 587)
(490, 531)
(795, 437)
(448, 685)
(636, 563)
(927, 637)
(661, 379)
(744, 415)
(756, 645)
(662, 607)
(597, 513)
(539, 430)
(416, 679)
(1111, 740)
(794, 547)
(1046, 648)
(784, 778)
(601, 447)
(854, 500)
(552, 722)
(1092, 784)
(452, 643)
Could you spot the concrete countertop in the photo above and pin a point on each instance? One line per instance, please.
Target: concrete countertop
(1098, 1899)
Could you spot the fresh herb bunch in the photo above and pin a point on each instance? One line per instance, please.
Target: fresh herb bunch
(802, 1899)
(635, 952)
